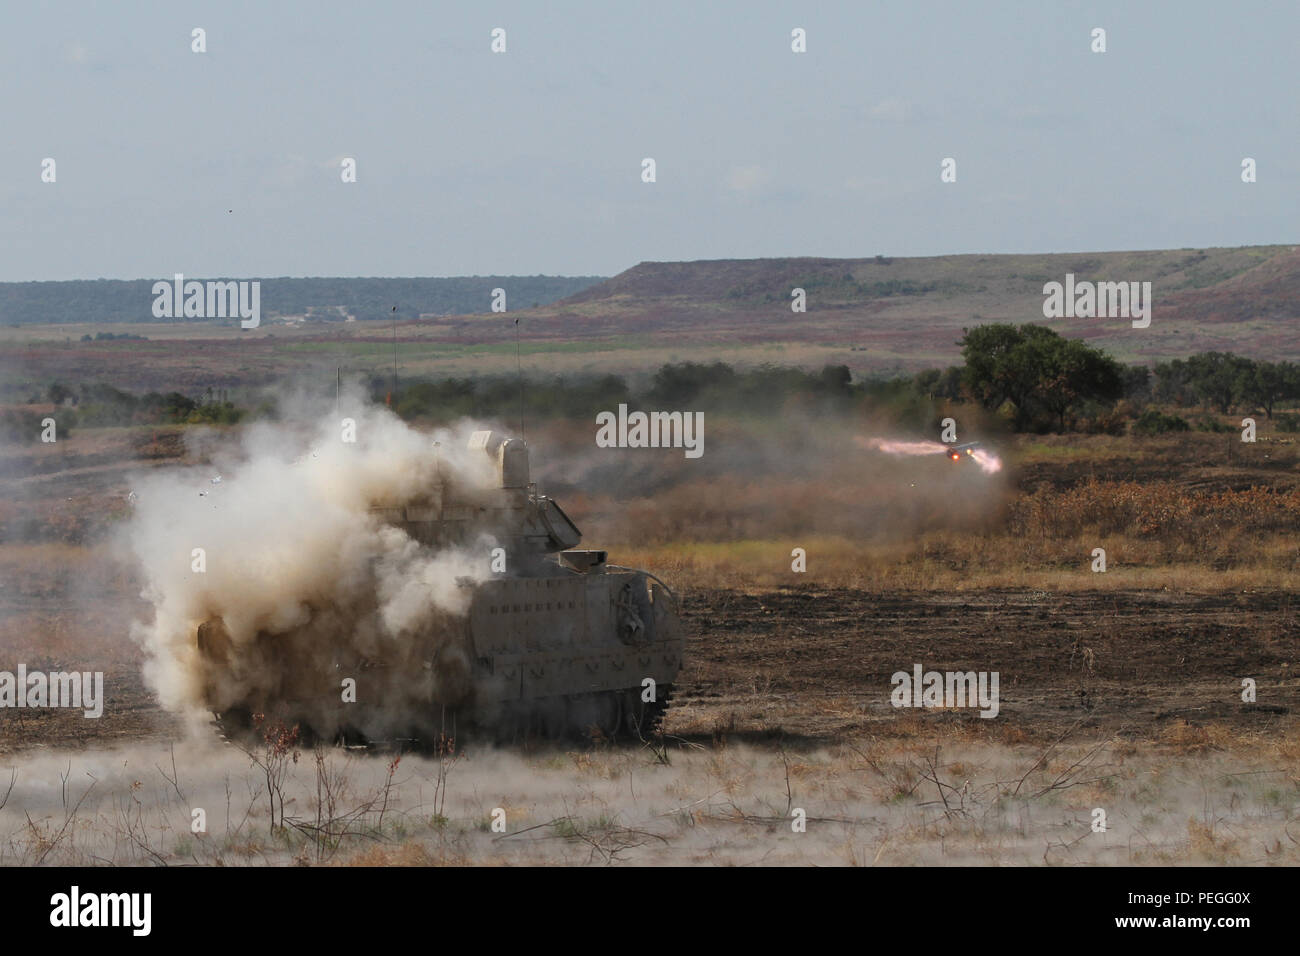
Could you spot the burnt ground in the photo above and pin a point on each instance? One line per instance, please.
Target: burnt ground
(814, 665)
(131, 715)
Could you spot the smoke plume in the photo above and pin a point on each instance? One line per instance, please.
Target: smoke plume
(279, 543)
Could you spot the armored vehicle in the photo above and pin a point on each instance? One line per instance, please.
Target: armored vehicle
(553, 642)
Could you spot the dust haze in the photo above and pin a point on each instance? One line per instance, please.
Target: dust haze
(786, 476)
(308, 581)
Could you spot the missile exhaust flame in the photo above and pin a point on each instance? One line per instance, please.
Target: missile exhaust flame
(989, 462)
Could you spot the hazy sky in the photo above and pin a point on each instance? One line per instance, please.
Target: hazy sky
(227, 163)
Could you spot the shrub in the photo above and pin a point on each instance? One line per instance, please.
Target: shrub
(22, 426)
(1153, 422)
(1213, 425)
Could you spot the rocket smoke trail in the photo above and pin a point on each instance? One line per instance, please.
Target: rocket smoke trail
(989, 463)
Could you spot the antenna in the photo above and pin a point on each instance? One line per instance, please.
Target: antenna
(519, 373)
(393, 390)
(338, 381)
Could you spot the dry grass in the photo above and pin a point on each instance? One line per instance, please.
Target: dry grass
(1196, 511)
(1208, 797)
(956, 562)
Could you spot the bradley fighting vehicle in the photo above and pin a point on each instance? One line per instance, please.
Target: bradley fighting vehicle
(562, 643)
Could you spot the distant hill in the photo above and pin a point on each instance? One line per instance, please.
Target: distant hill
(909, 312)
(878, 316)
(113, 300)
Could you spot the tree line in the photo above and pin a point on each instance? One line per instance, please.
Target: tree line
(101, 406)
(1040, 381)
(1028, 376)
(131, 300)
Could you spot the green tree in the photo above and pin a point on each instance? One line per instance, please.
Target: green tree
(986, 350)
(836, 380)
(1071, 372)
(1038, 371)
(1173, 382)
(678, 384)
(1219, 379)
(1137, 383)
(1268, 383)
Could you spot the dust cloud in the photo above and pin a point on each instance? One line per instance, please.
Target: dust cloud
(278, 540)
(791, 476)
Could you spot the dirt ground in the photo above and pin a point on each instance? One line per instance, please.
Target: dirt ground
(814, 666)
(817, 663)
